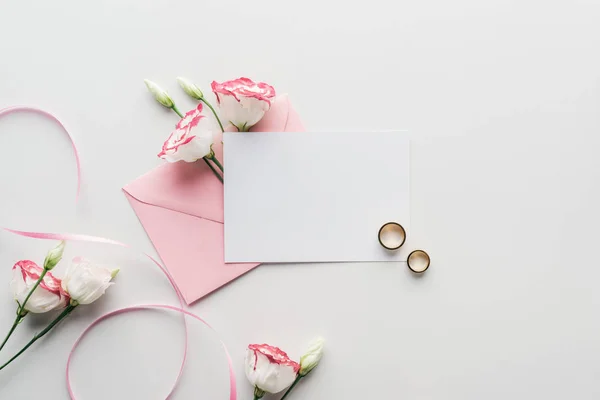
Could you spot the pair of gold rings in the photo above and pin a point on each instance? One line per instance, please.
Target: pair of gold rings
(392, 236)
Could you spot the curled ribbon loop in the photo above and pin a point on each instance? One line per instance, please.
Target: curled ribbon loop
(13, 109)
(101, 240)
(232, 388)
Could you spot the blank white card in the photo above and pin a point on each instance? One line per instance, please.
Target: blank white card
(313, 197)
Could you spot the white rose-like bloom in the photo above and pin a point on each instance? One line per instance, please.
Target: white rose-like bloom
(192, 138)
(47, 296)
(312, 357)
(86, 282)
(269, 369)
(243, 102)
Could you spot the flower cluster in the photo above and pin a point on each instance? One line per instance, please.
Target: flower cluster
(270, 370)
(241, 102)
(36, 290)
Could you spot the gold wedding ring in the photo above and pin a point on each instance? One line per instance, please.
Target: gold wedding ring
(418, 261)
(391, 235)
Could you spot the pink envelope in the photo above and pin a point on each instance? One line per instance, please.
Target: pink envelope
(180, 206)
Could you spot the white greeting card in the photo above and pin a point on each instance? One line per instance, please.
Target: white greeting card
(313, 197)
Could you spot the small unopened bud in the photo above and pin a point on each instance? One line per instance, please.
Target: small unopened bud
(54, 256)
(191, 89)
(258, 393)
(311, 358)
(159, 94)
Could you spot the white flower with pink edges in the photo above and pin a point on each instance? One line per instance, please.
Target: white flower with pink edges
(191, 140)
(243, 102)
(269, 369)
(48, 296)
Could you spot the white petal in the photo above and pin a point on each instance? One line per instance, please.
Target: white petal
(256, 109)
(268, 376)
(86, 282)
(18, 286)
(248, 111)
(41, 300)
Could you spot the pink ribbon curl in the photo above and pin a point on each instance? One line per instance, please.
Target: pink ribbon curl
(101, 240)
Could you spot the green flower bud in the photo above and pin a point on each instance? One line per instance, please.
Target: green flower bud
(54, 256)
(188, 87)
(311, 358)
(159, 94)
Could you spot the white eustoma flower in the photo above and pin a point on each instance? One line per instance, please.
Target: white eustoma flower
(190, 88)
(46, 297)
(192, 138)
(243, 102)
(312, 357)
(159, 94)
(269, 369)
(86, 282)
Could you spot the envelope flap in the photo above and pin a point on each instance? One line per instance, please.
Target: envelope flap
(190, 188)
(279, 117)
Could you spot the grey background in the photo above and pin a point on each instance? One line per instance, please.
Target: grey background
(502, 99)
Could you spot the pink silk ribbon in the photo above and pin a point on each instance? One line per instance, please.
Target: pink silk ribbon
(12, 109)
(95, 239)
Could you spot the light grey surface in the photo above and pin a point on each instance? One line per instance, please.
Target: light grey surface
(311, 197)
(503, 101)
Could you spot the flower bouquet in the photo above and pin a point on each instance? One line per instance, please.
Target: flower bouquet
(36, 291)
(242, 103)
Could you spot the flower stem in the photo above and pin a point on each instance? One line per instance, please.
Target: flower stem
(40, 279)
(291, 387)
(21, 312)
(14, 326)
(213, 169)
(218, 164)
(177, 111)
(47, 329)
(214, 112)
